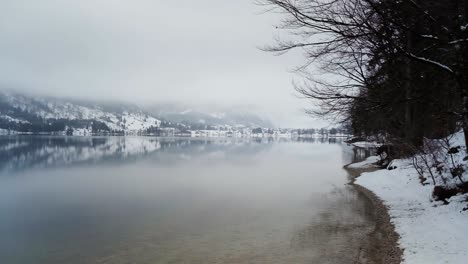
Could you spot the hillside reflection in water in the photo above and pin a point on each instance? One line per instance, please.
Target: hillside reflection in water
(149, 200)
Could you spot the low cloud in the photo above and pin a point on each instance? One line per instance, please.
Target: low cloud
(148, 51)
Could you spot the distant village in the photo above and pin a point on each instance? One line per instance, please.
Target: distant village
(240, 132)
(167, 129)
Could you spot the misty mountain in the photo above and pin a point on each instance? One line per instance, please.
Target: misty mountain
(26, 113)
(197, 115)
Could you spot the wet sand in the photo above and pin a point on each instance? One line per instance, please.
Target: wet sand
(382, 245)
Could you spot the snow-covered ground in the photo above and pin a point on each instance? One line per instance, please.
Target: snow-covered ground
(368, 163)
(431, 231)
(366, 144)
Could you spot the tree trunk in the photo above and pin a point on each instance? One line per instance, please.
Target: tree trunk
(408, 86)
(463, 75)
(465, 119)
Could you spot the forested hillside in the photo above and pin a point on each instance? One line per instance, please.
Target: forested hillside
(25, 113)
(40, 114)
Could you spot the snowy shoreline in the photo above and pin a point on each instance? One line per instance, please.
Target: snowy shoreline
(430, 231)
(382, 243)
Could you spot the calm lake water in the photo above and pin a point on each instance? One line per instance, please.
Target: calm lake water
(148, 200)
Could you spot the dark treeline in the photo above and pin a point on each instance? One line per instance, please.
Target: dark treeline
(396, 70)
(36, 124)
(53, 125)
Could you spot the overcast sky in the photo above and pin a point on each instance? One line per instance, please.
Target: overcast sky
(202, 51)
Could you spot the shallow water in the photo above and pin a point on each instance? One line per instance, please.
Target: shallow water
(148, 200)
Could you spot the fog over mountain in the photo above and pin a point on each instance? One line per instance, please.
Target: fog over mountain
(140, 52)
(36, 114)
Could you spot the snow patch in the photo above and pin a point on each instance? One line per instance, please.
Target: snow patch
(366, 144)
(368, 163)
(15, 120)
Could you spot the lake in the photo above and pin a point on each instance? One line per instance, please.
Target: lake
(150, 200)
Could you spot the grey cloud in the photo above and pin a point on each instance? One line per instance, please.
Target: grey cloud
(142, 50)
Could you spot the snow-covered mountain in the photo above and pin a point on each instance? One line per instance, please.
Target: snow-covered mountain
(44, 114)
(26, 113)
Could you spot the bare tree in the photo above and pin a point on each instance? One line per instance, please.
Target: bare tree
(358, 41)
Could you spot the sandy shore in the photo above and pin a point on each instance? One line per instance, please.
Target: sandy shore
(382, 245)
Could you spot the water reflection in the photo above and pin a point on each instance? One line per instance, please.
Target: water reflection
(149, 200)
(362, 153)
(27, 152)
